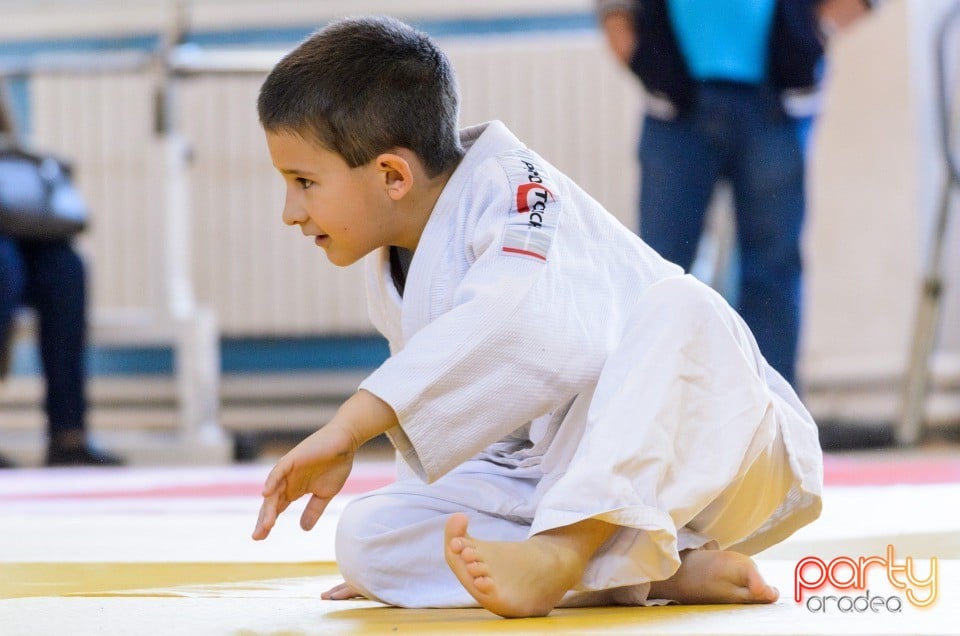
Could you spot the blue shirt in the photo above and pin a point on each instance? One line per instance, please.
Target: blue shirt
(723, 39)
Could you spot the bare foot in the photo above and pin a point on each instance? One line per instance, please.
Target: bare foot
(713, 576)
(341, 592)
(523, 578)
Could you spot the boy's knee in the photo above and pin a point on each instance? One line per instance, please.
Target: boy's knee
(683, 300)
(361, 539)
(684, 293)
(363, 519)
(353, 528)
(697, 315)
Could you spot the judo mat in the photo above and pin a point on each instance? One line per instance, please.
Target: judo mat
(167, 550)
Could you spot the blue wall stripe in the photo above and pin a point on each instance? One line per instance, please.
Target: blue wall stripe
(244, 355)
(578, 21)
(34, 46)
(435, 28)
(303, 354)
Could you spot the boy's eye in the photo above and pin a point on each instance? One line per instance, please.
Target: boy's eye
(304, 183)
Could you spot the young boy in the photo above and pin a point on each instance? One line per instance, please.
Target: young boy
(603, 424)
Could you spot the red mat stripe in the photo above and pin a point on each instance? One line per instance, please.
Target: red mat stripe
(850, 471)
(354, 486)
(838, 471)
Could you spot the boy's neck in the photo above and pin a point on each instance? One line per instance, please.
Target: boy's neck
(419, 206)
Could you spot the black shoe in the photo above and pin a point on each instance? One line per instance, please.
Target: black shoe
(6, 463)
(83, 455)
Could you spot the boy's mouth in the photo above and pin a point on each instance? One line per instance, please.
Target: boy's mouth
(320, 239)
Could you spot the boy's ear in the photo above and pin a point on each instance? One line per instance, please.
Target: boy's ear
(397, 174)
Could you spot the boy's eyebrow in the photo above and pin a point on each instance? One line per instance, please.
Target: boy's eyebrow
(292, 171)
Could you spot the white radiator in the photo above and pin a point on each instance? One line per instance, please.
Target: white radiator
(560, 92)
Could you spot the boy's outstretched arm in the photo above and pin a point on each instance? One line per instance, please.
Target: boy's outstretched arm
(321, 463)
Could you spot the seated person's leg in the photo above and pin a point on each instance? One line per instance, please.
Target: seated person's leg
(11, 284)
(56, 288)
(11, 294)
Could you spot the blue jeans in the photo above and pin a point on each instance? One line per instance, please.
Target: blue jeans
(740, 133)
(50, 277)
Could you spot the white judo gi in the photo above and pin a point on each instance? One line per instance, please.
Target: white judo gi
(547, 367)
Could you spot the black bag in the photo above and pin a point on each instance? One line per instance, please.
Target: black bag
(38, 200)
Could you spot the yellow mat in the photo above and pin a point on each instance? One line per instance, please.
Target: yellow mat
(284, 598)
(106, 579)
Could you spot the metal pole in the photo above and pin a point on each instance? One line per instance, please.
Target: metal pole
(177, 301)
(917, 379)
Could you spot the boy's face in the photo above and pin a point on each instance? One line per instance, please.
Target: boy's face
(345, 210)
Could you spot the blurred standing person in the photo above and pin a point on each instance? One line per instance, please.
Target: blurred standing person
(731, 91)
(50, 277)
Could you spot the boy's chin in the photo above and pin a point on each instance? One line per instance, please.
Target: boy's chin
(342, 260)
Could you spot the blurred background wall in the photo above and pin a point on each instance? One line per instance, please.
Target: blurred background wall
(877, 172)
(541, 67)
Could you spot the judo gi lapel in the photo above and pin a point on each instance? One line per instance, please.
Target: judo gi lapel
(481, 142)
(383, 299)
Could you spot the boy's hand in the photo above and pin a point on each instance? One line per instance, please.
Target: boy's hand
(319, 465)
(341, 592)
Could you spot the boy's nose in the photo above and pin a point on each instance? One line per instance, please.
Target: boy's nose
(289, 218)
(293, 214)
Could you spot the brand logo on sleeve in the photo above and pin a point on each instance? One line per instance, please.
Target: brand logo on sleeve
(532, 222)
(532, 198)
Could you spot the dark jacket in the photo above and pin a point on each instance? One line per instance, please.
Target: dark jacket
(795, 51)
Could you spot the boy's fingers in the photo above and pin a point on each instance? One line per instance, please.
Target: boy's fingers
(271, 508)
(340, 592)
(311, 514)
(333, 592)
(274, 479)
(266, 519)
(260, 531)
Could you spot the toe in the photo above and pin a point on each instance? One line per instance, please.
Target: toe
(478, 568)
(469, 554)
(455, 532)
(457, 525)
(484, 584)
(757, 589)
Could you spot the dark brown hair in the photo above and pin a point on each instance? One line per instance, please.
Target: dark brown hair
(362, 86)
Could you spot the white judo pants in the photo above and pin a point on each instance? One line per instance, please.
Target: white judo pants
(689, 440)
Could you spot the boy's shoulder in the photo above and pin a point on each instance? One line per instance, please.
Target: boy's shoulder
(492, 143)
(526, 192)
(532, 182)
(496, 157)
(535, 205)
